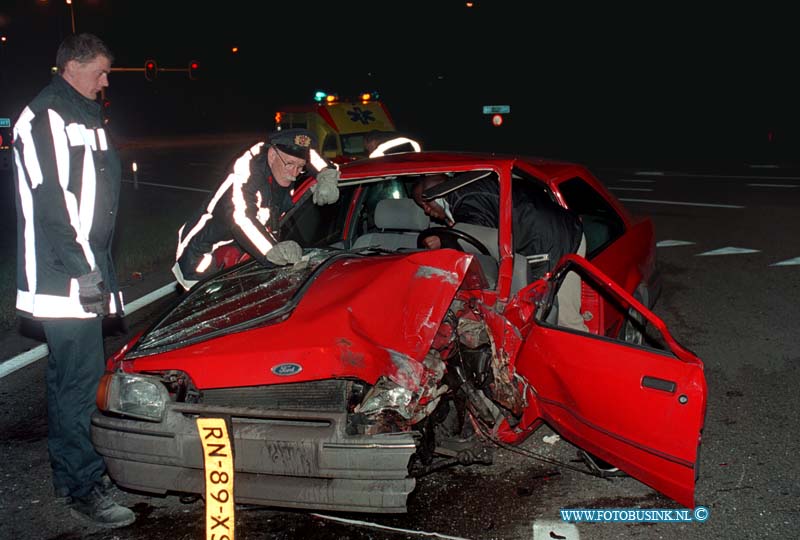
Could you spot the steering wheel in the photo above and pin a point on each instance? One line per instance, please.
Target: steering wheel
(450, 237)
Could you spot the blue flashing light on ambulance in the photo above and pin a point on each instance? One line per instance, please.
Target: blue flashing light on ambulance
(339, 125)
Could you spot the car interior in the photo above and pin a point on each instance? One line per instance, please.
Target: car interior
(380, 214)
(398, 223)
(387, 218)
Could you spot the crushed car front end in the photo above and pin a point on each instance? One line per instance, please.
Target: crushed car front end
(292, 445)
(327, 422)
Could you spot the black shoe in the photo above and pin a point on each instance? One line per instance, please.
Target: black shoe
(62, 495)
(98, 509)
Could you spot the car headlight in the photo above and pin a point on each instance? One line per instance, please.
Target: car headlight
(387, 394)
(137, 396)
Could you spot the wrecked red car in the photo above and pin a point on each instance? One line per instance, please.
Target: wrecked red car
(372, 361)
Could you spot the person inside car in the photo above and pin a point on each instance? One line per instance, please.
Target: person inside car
(541, 228)
(244, 210)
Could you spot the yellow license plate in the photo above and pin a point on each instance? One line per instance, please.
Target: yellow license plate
(218, 462)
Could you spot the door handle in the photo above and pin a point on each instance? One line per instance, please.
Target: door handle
(659, 384)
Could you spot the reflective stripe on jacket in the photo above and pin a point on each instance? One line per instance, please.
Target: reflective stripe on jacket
(244, 209)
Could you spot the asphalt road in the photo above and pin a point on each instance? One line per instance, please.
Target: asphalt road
(736, 308)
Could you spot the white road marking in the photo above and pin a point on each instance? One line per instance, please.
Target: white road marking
(649, 173)
(728, 251)
(788, 262)
(683, 203)
(772, 185)
(765, 166)
(545, 529)
(637, 181)
(719, 176)
(620, 188)
(21, 360)
(673, 243)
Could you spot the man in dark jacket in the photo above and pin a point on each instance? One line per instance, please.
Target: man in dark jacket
(244, 210)
(542, 230)
(67, 176)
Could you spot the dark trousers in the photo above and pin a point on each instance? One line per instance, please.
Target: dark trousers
(76, 363)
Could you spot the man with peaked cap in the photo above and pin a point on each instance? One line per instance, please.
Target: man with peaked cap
(244, 210)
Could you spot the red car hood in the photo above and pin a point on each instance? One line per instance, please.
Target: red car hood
(350, 316)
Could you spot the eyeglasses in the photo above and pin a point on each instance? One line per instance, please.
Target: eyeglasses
(299, 169)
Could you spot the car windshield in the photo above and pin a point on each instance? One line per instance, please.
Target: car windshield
(353, 145)
(245, 296)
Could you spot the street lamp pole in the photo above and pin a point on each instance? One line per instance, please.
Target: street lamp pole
(72, 14)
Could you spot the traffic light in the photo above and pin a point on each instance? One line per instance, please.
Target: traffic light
(106, 104)
(194, 67)
(150, 70)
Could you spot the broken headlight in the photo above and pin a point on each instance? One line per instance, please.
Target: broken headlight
(386, 394)
(137, 396)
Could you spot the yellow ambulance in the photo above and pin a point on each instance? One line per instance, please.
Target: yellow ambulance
(339, 125)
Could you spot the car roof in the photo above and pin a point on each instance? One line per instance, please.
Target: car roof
(430, 161)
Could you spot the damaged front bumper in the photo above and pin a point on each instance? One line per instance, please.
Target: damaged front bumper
(281, 458)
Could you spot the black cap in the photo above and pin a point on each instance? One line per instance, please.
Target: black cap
(295, 142)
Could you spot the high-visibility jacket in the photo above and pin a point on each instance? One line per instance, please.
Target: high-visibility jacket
(243, 211)
(67, 176)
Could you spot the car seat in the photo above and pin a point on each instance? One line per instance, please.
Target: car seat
(399, 222)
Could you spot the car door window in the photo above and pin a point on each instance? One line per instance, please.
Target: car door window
(374, 193)
(601, 224)
(311, 225)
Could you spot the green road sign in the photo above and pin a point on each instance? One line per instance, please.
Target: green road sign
(496, 109)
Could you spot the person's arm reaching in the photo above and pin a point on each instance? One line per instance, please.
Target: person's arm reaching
(326, 190)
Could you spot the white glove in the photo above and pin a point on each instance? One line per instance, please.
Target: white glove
(283, 253)
(326, 190)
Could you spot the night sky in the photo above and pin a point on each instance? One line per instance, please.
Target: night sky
(658, 80)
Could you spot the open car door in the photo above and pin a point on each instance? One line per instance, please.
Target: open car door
(640, 408)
